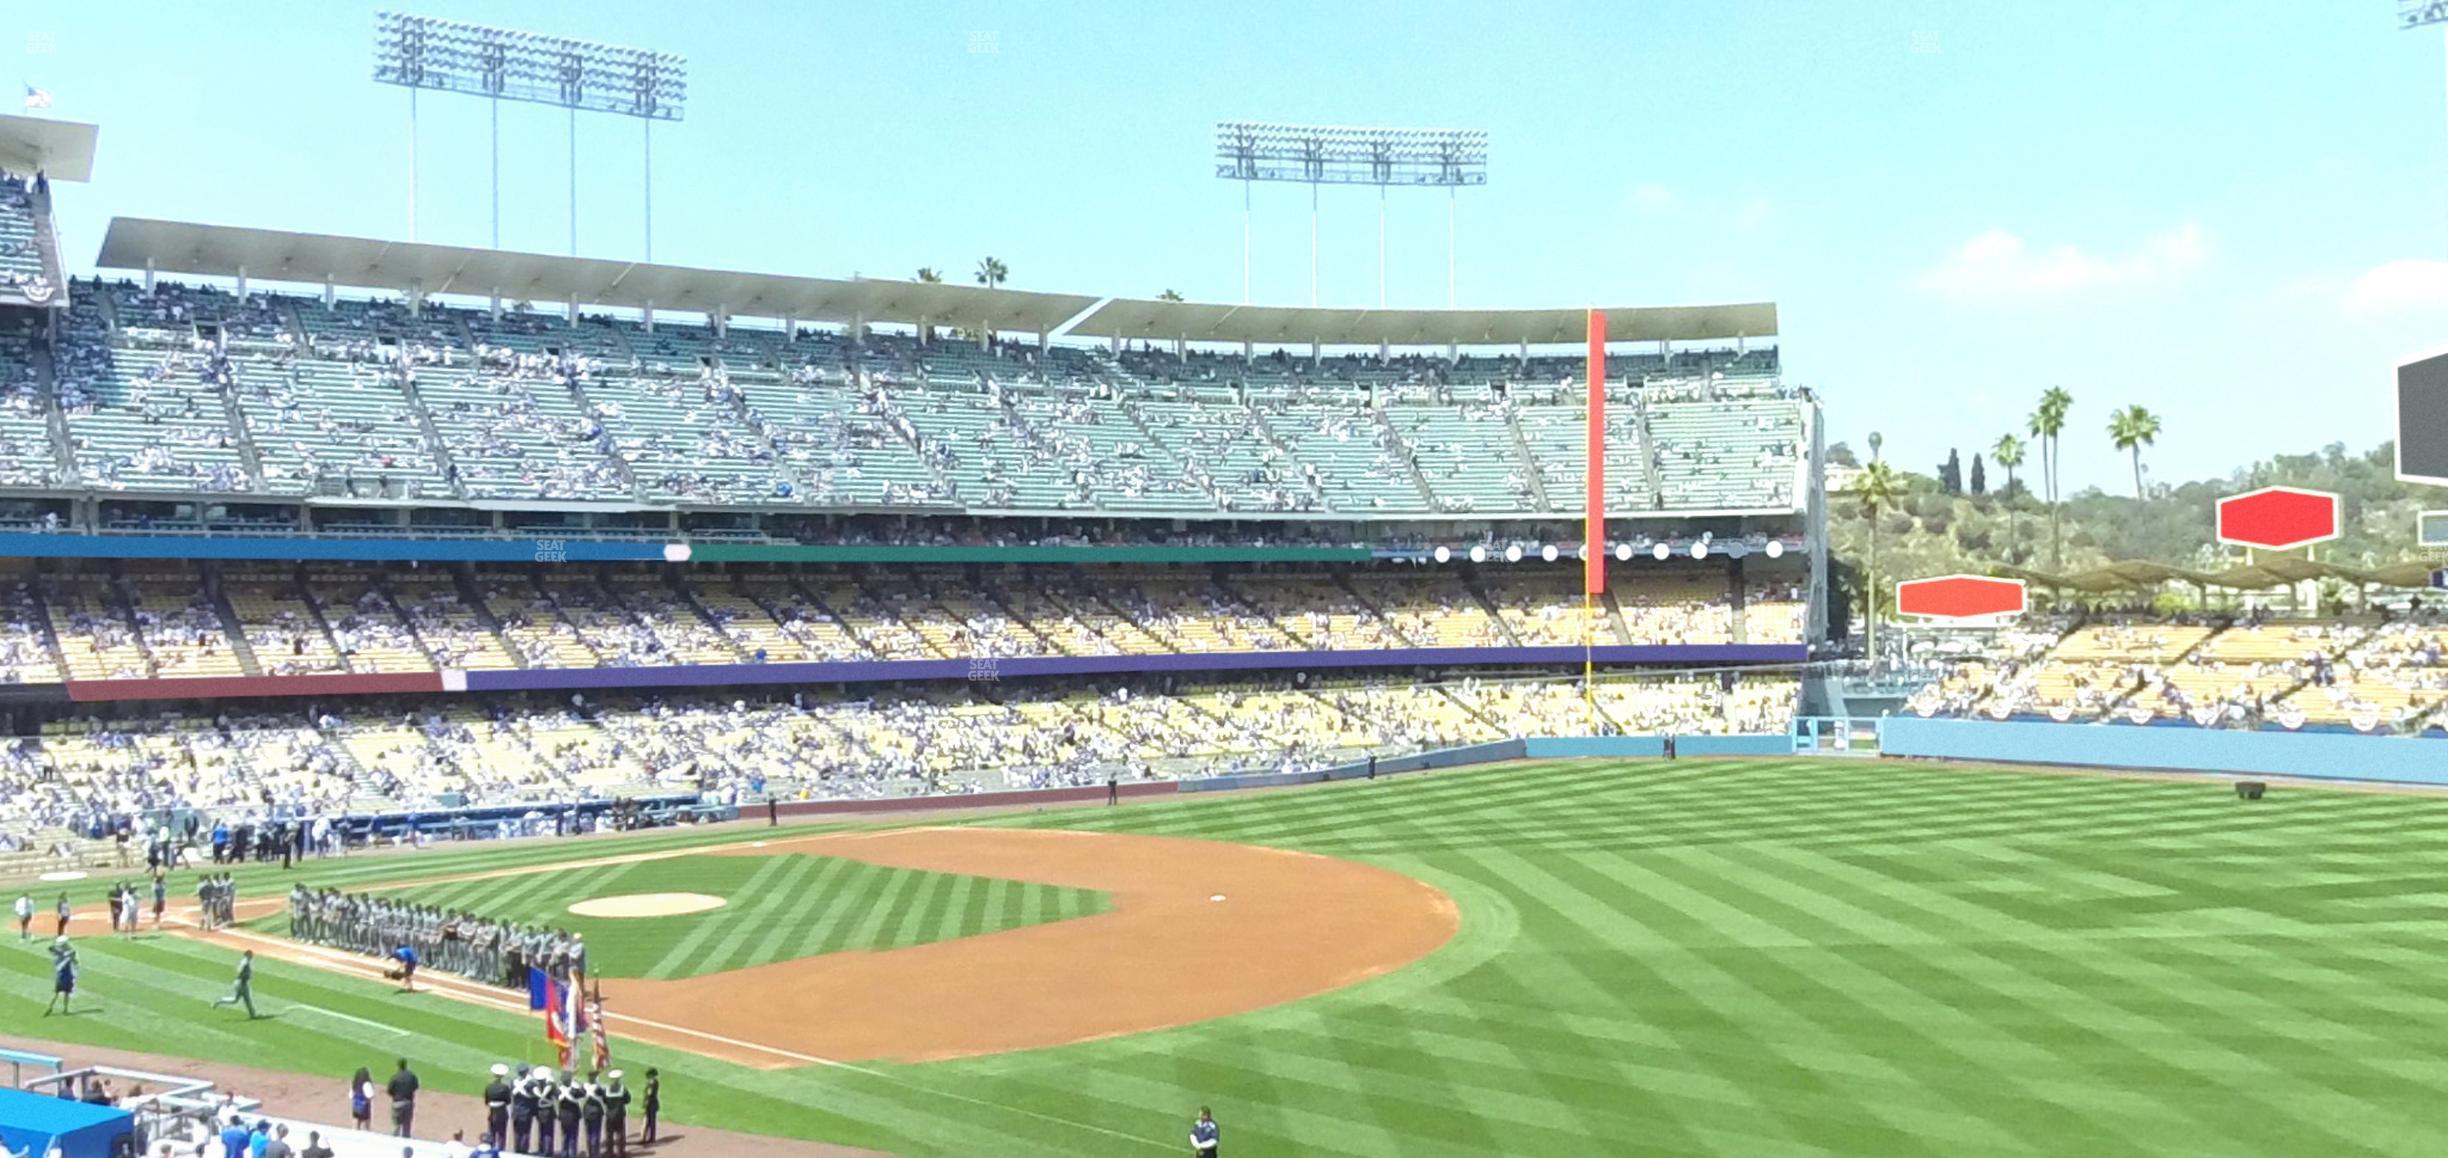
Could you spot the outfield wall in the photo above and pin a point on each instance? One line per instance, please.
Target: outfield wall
(2320, 755)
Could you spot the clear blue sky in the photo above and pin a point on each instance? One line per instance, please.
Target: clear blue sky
(2234, 213)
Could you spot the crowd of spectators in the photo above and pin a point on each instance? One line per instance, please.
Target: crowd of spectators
(22, 273)
(2364, 672)
(85, 780)
(457, 403)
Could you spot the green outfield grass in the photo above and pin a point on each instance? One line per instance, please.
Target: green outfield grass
(779, 907)
(1753, 958)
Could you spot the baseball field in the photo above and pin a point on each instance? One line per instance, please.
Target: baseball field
(1757, 957)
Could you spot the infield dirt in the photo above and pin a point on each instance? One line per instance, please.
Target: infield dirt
(1166, 953)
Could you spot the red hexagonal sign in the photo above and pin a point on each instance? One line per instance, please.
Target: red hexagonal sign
(2279, 518)
(1959, 597)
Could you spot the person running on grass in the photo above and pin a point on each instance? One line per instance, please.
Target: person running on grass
(244, 990)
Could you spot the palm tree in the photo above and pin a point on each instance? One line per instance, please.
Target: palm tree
(1169, 296)
(929, 274)
(2008, 453)
(1879, 486)
(2131, 429)
(2045, 424)
(991, 272)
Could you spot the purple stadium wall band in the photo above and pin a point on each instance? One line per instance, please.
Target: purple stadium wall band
(881, 671)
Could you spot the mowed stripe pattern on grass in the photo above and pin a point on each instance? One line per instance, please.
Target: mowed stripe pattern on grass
(1778, 958)
(1835, 957)
(777, 908)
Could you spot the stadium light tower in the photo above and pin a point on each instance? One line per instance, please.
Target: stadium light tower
(1252, 151)
(2413, 14)
(421, 52)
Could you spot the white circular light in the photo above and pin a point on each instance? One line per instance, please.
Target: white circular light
(1776, 548)
(1623, 552)
(1661, 552)
(1699, 550)
(1513, 553)
(1444, 554)
(1548, 552)
(1582, 552)
(677, 552)
(1479, 554)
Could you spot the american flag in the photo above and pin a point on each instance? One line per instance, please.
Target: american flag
(37, 98)
(603, 1043)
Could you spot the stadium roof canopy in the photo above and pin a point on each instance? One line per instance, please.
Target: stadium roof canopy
(63, 150)
(405, 267)
(1203, 322)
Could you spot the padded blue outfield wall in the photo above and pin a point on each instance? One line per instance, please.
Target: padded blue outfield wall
(2322, 755)
(1573, 747)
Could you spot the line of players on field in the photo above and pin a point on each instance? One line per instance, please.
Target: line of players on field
(479, 948)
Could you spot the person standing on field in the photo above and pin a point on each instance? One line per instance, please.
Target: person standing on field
(653, 1102)
(25, 916)
(1205, 1135)
(497, 1102)
(403, 1090)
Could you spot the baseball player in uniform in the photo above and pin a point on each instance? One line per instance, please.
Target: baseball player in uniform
(25, 916)
(244, 990)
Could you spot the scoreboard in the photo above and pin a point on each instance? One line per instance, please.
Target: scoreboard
(2422, 419)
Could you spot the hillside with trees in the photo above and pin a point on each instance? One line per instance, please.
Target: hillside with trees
(1995, 510)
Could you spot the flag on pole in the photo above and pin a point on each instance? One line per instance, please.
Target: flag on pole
(556, 1015)
(565, 1014)
(37, 98)
(1593, 535)
(603, 1043)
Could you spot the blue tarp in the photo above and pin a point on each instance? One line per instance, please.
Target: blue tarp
(33, 1123)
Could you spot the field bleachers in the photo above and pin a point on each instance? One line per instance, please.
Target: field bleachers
(517, 435)
(150, 420)
(2361, 671)
(27, 456)
(334, 427)
(817, 743)
(21, 264)
(455, 403)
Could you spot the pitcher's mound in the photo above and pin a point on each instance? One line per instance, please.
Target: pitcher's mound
(647, 905)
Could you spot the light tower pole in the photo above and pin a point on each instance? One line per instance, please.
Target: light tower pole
(1319, 155)
(421, 52)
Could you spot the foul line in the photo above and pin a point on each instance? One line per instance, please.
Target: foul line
(347, 1017)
